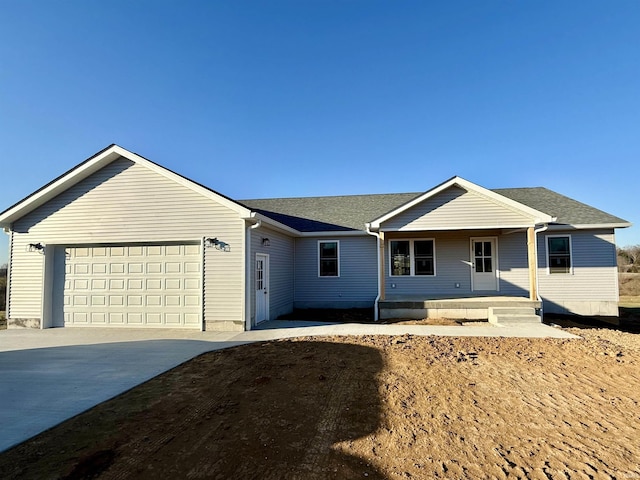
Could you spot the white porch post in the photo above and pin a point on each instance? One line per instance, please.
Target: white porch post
(533, 267)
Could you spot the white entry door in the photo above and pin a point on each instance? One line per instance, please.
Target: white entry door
(262, 287)
(484, 266)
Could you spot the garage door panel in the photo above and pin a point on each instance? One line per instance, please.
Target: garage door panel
(154, 268)
(99, 268)
(136, 285)
(98, 300)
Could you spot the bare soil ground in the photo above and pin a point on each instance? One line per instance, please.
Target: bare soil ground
(365, 407)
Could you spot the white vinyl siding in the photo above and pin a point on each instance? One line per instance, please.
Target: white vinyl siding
(594, 278)
(127, 203)
(357, 285)
(281, 277)
(455, 208)
(513, 262)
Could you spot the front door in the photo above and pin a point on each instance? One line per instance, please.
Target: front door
(484, 266)
(262, 287)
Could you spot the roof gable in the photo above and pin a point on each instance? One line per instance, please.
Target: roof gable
(94, 164)
(455, 208)
(489, 197)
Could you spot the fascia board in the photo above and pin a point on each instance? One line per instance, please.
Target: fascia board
(342, 233)
(589, 226)
(469, 227)
(539, 217)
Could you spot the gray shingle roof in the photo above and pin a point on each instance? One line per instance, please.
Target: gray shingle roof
(568, 210)
(315, 214)
(351, 212)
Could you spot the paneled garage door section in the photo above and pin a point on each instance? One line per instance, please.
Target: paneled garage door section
(134, 285)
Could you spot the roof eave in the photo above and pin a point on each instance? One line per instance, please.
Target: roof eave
(590, 226)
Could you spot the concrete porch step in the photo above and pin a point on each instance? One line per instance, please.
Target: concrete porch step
(513, 316)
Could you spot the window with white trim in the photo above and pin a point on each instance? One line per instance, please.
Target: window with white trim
(412, 257)
(559, 254)
(329, 258)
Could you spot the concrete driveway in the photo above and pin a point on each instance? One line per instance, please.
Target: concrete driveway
(48, 376)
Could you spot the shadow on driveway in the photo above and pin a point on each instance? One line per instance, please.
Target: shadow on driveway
(41, 387)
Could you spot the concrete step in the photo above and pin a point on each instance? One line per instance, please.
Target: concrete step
(495, 312)
(517, 319)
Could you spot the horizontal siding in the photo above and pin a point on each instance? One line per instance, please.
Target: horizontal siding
(594, 275)
(25, 282)
(456, 208)
(223, 290)
(126, 202)
(358, 281)
(281, 275)
(452, 259)
(513, 262)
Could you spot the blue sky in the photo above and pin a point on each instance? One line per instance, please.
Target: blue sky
(294, 98)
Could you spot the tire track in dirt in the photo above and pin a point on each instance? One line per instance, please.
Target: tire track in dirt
(519, 413)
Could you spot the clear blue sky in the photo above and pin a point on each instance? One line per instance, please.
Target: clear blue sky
(294, 98)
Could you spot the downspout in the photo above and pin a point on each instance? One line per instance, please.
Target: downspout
(7, 291)
(377, 300)
(535, 247)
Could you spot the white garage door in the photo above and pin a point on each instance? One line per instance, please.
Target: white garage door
(133, 285)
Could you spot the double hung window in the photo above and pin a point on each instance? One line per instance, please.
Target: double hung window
(559, 253)
(329, 259)
(412, 257)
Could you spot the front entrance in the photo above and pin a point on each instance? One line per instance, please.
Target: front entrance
(262, 287)
(484, 254)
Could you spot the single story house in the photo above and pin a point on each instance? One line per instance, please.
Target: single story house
(121, 241)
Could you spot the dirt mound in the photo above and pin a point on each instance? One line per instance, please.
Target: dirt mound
(365, 407)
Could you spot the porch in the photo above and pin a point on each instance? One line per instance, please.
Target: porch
(469, 308)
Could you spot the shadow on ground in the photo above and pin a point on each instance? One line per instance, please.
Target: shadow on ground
(267, 410)
(628, 321)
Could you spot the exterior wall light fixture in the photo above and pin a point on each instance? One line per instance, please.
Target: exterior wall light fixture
(36, 247)
(217, 244)
(265, 242)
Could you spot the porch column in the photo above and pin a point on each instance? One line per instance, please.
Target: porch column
(533, 264)
(382, 264)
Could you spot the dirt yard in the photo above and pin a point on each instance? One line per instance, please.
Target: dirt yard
(365, 407)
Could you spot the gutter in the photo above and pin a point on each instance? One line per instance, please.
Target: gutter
(377, 300)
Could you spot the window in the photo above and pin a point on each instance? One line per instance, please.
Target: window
(559, 254)
(412, 257)
(328, 259)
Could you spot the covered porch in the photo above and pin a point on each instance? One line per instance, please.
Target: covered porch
(458, 251)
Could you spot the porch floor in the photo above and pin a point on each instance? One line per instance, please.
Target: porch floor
(471, 308)
(422, 301)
